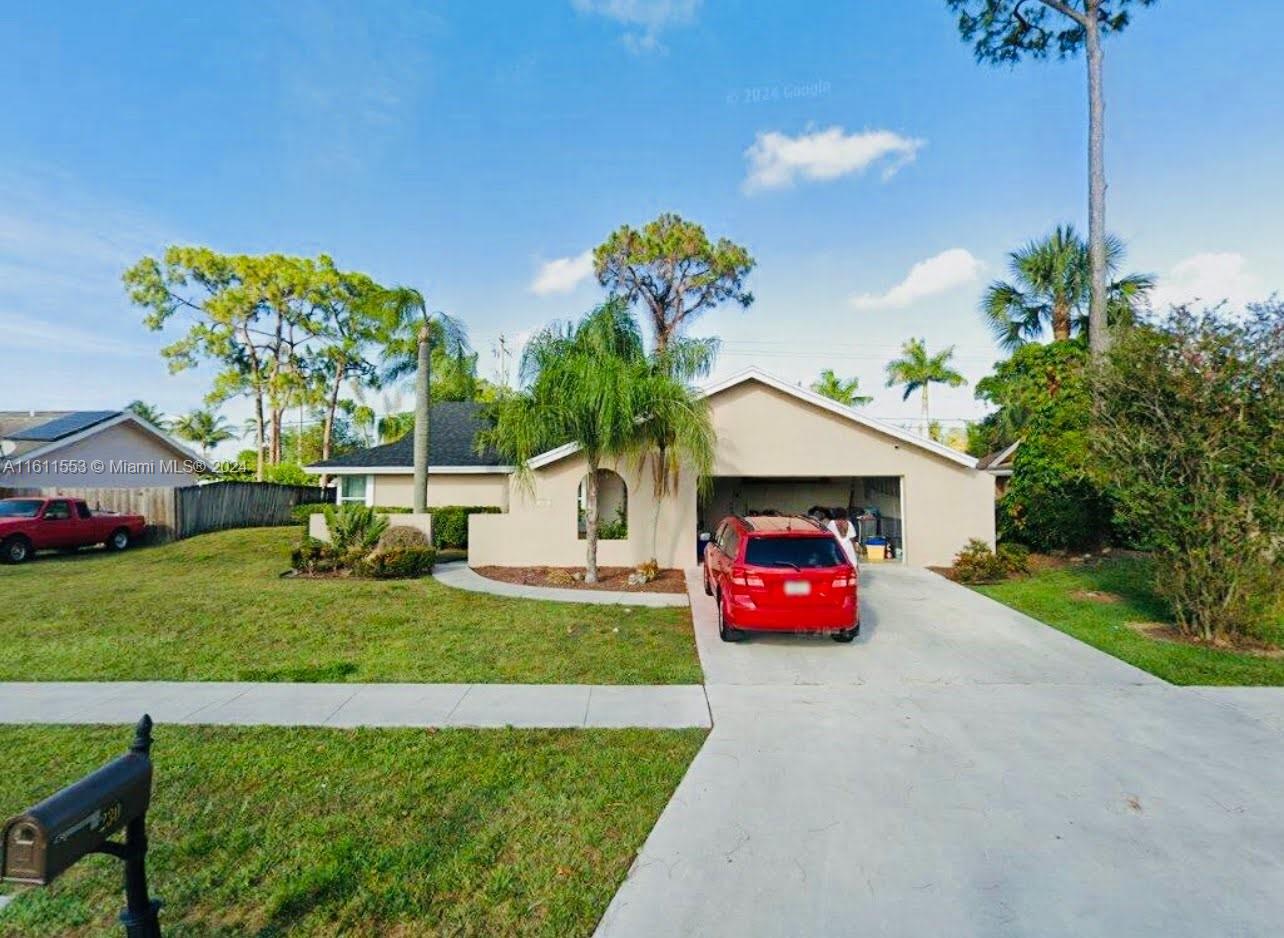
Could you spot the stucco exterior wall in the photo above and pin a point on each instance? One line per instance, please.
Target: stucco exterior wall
(540, 528)
(397, 491)
(130, 456)
(762, 433)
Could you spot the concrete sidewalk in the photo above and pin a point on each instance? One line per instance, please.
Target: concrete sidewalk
(347, 705)
(459, 575)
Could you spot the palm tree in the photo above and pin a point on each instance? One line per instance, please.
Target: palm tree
(411, 333)
(836, 389)
(593, 384)
(918, 371)
(1051, 286)
(206, 428)
(149, 412)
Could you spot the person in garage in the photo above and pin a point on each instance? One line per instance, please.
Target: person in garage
(843, 529)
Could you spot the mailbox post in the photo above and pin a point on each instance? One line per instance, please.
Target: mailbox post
(46, 840)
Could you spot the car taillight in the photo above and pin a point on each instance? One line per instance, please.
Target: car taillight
(741, 577)
(844, 582)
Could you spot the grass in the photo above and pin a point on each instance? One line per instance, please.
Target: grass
(367, 832)
(215, 608)
(1050, 596)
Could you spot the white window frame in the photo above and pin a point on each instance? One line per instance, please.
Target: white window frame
(365, 498)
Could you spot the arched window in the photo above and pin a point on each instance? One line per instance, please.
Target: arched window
(612, 507)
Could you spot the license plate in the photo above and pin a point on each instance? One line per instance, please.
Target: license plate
(797, 588)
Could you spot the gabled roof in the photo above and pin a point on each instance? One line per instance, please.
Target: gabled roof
(453, 427)
(1000, 461)
(31, 434)
(809, 397)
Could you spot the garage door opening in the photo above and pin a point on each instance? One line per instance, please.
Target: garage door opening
(873, 502)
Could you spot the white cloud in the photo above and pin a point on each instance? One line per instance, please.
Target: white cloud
(777, 160)
(647, 18)
(1208, 278)
(944, 271)
(562, 275)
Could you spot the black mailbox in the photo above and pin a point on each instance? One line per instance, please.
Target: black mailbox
(42, 842)
(47, 839)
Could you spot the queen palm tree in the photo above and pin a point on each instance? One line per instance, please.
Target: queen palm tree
(410, 334)
(206, 428)
(592, 383)
(845, 392)
(918, 371)
(1051, 287)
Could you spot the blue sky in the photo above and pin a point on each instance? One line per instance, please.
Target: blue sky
(461, 147)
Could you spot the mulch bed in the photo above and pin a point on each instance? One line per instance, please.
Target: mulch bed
(615, 579)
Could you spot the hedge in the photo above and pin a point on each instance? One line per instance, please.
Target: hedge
(449, 522)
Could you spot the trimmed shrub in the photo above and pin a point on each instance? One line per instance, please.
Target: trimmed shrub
(450, 523)
(977, 563)
(313, 556)
(396, 563)
(400, 535)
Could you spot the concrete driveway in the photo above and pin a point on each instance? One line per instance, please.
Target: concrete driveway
(961, 770)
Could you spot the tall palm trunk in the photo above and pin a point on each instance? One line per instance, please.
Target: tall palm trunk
(422, 370)
(1098, 336)
(590, 522)
(925, 423)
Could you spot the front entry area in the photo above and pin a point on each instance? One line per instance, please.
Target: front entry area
(875, 503)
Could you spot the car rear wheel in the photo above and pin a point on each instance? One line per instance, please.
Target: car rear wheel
(846, 635)
(725, 631)
(119, 539)
(15, 550)
(708, 587)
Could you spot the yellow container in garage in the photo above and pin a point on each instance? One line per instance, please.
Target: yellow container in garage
(875, 553)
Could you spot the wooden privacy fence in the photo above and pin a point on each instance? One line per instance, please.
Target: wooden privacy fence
(176, 513)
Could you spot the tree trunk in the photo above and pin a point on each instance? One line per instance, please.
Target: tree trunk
(590, 522)
(1060, 321)
(925, 420)
(327, 431)
(258, 437)
(422, 375)
(274, 453)
(1098, 336)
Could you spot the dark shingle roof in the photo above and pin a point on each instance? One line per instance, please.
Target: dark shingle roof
(452, 441)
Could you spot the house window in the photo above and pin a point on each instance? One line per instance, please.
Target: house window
(354, 489)
(612, 507)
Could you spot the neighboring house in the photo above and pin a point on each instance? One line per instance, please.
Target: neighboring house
(779, 447)
(458, 474)
(1000, 466)
(90, 449)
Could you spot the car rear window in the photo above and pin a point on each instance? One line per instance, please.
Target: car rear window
(798, 552)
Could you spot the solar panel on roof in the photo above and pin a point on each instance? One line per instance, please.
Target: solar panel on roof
(63, 426)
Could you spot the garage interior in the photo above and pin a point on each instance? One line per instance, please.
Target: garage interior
(873, 501)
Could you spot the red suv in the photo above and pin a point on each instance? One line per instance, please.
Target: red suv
(780, 574)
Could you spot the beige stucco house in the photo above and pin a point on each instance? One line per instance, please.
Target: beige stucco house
(90, 449)
(779, 447)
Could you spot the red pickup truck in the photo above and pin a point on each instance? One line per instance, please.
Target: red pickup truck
(31, 524)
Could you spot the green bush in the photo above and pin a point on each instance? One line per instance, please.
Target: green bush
(353, 527)
(1191, 428)
(400, 535)
(450, 524)
(301, 513)
(977, 563)
(313, 556)
(396, 563)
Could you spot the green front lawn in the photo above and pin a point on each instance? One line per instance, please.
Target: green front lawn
(1057, 597)
(367, 832)
(214, 608)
